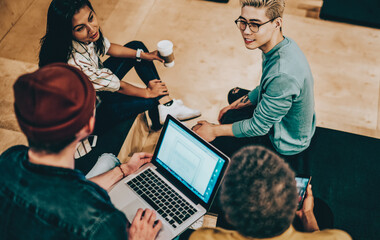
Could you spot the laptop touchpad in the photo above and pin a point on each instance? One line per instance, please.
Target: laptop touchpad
(130, 210)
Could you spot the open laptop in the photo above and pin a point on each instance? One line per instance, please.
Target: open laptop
(180, 183)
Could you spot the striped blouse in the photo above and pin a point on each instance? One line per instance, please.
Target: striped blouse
(84, 57)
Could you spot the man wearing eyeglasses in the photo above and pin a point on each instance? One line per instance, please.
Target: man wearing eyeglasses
(279, 113)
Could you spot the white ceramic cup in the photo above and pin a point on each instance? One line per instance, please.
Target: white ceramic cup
(165, 49)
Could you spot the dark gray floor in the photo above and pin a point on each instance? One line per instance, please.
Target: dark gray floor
(365, 12)
(345, 169)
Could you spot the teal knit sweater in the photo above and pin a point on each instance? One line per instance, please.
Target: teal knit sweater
(285, 101)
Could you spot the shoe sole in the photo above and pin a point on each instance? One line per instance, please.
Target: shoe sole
(187, 119)
(183, 120)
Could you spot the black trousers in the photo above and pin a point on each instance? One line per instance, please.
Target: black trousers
(230, 145)
(117, 107)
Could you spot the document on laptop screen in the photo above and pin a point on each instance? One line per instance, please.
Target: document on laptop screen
(190, 161)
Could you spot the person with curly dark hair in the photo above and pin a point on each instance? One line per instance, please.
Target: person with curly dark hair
(259, 199)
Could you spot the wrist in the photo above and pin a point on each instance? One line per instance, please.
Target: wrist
(222, 130)
(143, 55)
(124, 169)
(309, 221)
(148, 92)
(139, 53)
(214, 130)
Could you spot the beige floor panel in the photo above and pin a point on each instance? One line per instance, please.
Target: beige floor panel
(140, 139)
(124, 19)
(10, 70)
(135, 139)
(22, 41)
(211, 57)
(10, 138)
(10, 12)
(345, 63)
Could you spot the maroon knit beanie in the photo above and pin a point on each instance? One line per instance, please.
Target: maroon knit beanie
(53, 103)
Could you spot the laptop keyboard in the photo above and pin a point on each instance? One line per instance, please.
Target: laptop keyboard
(168, 203)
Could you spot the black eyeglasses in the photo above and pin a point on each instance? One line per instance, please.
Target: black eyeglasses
(254, 27)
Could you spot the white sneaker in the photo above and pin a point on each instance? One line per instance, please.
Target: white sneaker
(177, 110)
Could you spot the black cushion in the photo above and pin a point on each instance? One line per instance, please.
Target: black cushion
(365, 12)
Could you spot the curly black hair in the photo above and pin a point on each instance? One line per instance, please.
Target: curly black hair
(259, 194)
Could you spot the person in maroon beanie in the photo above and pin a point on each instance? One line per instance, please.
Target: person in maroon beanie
(42, 196)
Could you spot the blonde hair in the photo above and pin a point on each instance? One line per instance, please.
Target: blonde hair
(275, 8)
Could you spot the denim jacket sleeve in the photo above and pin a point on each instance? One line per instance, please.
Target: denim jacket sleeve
(113, 226)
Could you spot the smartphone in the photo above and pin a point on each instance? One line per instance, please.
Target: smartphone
(302, 183)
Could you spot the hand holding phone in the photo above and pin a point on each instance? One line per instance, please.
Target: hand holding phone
(302, 182)
(306, 213)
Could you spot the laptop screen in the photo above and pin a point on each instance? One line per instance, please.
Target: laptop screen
(189, 160)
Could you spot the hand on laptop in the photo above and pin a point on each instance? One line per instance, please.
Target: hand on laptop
(136, 161)
(144, 225)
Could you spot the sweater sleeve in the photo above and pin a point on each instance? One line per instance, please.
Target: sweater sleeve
(275, 103)
(254, 95)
